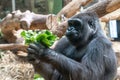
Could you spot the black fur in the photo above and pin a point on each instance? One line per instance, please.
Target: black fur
(83, 54)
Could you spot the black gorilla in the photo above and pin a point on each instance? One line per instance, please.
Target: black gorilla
(83, 54)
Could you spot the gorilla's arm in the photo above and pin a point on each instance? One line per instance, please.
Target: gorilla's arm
(88, 66)
(69, 68)
(47, 71)
(44, 69)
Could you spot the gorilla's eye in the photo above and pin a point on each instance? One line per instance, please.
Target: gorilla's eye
(75, 22)
(91, 23)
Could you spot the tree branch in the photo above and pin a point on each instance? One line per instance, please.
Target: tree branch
(71, 8)
(104, 7)
(13, 46)
(111, 16)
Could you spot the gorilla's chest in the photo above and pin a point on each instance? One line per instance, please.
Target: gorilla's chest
(73, 53)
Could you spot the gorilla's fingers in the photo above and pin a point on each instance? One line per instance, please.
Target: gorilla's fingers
(41, 46)
(31, 51)
(35, 47)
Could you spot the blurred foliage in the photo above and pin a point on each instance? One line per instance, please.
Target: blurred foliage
(38, 77)
(1, 35)
(44, 37)
(5, 8)
(57, 6)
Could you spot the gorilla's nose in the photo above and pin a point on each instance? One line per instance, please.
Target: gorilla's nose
(71, 29)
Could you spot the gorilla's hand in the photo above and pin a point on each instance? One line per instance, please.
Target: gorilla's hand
(36, 49)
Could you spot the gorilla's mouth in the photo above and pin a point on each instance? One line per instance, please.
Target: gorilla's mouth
(73, 36)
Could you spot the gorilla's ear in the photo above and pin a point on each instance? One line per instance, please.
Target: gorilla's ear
(92, 26)
(93, 21)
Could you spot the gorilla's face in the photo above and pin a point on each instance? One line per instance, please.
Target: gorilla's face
(80, 29)
(74, 31)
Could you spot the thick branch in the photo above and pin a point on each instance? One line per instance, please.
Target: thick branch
(104, 7)
(32, 21)
(111, 16)
(74, 6)
(56, 27)
(13, 46)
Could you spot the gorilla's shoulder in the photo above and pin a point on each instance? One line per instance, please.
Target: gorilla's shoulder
(101, 41)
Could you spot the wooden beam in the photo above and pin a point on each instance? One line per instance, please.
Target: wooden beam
(104, 7)
(71, 8)
(115, 15)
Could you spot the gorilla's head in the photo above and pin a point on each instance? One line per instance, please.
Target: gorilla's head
(82, 28)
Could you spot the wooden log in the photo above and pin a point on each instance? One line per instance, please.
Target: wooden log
(74, 6)
(104, 7)
(65, 2)
(115, 15)
(13, 46)
(56, 27)
(31, 20)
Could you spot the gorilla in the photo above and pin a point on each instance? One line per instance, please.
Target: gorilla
(84, 53)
